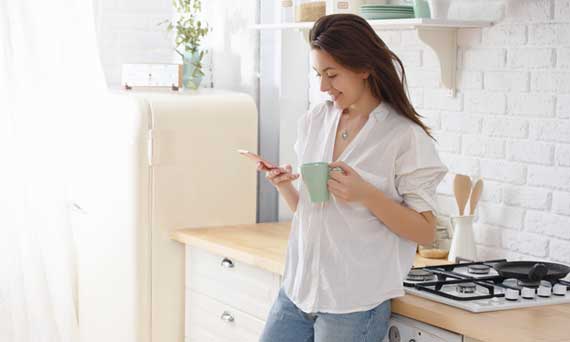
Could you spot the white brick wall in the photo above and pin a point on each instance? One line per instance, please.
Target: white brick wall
(510, 125)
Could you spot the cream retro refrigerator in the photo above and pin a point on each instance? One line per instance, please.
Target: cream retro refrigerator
(160, 161)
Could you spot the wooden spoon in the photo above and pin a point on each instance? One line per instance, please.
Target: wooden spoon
(461, 189)
(475, 195)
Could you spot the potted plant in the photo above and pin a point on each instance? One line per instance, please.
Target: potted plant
(189, 30)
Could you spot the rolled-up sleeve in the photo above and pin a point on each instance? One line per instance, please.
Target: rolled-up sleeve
(418, 171)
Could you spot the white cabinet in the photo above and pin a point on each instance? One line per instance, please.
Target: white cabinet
(226, 300)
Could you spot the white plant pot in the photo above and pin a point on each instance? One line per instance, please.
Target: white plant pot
(439, 8)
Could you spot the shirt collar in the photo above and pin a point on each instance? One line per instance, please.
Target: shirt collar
(381, 111)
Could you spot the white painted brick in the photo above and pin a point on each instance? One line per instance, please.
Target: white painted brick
(468, 37)
(431, 118)
(501, 215)
(532, 244)
(490, 253)
(484, 59)
(562, 9)
(549, 34)
(561, 203)
(485, 102)
(469, 79)
(507, 80)
(531, 152)
(532, 105)
(541, 222)
(504, 35)
(528, 10)
(460, 122)
(563, 57)
(391, 38)
(505, 127)
(488, 235)
(446, 205)
(550, 177)
(423, 78)
(551, 130)
(477, 146)
(411, 58)
(526, 197)
(416, 97)
(492, 191)
(530, 58)
(448, 142)
(563, 155)
(410, 38)
(430, 59)
(503, 171)
(558, 82)
(460, 164)
(560, 251)
(439, 99)
(477, 10)
(563, 106)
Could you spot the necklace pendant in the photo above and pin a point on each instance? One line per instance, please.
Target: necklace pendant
(344, 135)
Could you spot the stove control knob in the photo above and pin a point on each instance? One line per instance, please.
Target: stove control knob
(528, 293)
(544, 291)
(559, 289)
(511, 294)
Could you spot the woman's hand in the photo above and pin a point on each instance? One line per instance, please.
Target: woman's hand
(280, 176)
(348, 185)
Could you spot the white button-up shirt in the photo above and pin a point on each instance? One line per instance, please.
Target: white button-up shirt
(341, 258)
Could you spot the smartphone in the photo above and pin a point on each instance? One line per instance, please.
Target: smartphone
(257, 158)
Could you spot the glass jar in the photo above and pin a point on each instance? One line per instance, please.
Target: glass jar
(439, 249)
(309, 10)
(287, 12)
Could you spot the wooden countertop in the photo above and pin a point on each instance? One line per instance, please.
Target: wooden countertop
(264, 245)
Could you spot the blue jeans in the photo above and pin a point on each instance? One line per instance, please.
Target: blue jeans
(287, 323)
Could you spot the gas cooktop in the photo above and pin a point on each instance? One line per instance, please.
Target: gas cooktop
(478, 287)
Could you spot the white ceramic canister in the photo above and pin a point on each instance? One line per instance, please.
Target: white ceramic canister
(463, 240)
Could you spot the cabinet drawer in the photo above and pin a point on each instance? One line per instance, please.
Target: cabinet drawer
(208, 320)
(245, 287)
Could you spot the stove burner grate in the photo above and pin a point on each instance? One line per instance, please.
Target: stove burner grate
(420, 275)
(479, 269)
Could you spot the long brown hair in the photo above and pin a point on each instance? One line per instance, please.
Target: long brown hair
(352, 42)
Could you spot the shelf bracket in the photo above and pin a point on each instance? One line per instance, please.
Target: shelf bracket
(443, 42)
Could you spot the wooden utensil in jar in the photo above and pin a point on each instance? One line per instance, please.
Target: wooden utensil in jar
(475, 195)
(461, 189)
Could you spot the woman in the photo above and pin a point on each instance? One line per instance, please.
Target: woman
(348, 258)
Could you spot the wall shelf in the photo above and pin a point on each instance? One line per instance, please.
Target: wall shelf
(439, 35)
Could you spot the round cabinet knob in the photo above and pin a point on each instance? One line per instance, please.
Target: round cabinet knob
(559, 289)
(528, 293)
(227, 263)
(227, 317)
(544, 290)
(511, 294)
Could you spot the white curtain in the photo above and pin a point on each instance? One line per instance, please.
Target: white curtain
(50, 81)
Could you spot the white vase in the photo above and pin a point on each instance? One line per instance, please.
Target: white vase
(439, 8)
(463, 240)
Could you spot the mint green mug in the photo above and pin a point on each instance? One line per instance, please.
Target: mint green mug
(315, 177)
